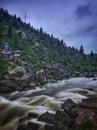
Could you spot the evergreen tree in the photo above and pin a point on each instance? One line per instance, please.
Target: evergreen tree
(14, 22)
(41, 34)
(62, 42)
(81, 49)
(41, 30)
(1, 15)
(92, 54)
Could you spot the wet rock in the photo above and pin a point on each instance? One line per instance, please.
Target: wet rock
(74, 111)
(47, 117)
(24, 84)
(24, 127)
(49, 127)
(24, 119)
(84, 115)
(86, 118)
(73, 116)
(68, 104)
(94, 74)
(8, 83)
(59, 126)
(4, 89)
(90, 102)
(90, 89)
(7, 86)
(19, 88)
(77, 74)
(86, 121)
(63, 117)
(34, 126)
(94, 79)
(66, 75)
(33, 115)
(52, 81)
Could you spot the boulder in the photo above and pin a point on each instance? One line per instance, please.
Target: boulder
(59, 126)
(34, 126)
(73, 116)
(49, 127)
(90, 102)
(33, 115)
(85, 115)
(47, 118)
(4, 89)
(7, 86)
(63, 117)
(8, 83)
(84, 119)
(24, 127)
(68, 104)
(21, 120)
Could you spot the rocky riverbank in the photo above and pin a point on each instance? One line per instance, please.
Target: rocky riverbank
(69, 104)
(70, 116)
(53, 72)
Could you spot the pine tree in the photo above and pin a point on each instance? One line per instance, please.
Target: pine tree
(41, 30)
(40, 33)
(81, 49)
(92, 54)
(14, 22)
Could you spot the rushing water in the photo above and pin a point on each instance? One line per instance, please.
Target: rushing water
(45, 98)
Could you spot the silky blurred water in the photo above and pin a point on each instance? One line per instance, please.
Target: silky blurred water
(44, 98)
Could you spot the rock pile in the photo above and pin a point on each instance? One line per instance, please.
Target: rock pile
(7, 86)
(70, 116)
(73, 116)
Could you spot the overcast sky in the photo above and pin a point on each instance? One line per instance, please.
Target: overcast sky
(74, 21)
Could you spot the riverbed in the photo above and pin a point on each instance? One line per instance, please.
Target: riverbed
(45, 98)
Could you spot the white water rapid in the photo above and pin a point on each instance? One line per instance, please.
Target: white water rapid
(45, 98)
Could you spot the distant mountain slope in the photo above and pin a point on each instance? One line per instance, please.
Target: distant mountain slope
(37, 46)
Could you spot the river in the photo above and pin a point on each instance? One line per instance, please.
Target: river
(49, 98)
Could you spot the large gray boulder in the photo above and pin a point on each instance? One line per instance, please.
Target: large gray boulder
(47, 118)
(7, 86)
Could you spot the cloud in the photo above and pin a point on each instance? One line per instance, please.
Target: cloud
(83, 11)
(91, 29)
(59, 18)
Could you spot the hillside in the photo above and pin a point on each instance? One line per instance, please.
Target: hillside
(38, 47)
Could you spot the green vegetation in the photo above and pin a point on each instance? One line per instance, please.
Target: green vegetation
(3, 68)
(18, 74)
(38, 46)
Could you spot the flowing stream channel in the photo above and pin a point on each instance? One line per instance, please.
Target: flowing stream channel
(45, 98)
